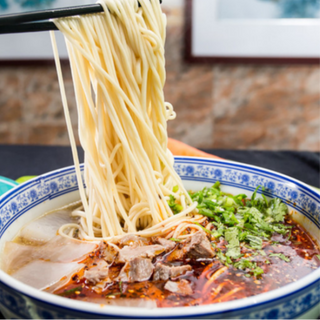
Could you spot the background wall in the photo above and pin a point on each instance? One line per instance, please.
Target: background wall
(218, 106)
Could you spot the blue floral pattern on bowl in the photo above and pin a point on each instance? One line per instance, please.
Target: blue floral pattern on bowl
(274, 186)
(52, 185)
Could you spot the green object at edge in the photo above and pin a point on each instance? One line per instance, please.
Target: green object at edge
(24, 179)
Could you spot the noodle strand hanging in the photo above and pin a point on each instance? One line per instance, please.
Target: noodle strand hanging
(118, 69)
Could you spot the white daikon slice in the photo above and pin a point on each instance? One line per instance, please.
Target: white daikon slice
(41, 274)
(46, 227)
(58, 249)
(61, 249)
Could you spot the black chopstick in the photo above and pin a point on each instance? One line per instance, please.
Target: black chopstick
(35, 21)
(33, 16)
(28, 27)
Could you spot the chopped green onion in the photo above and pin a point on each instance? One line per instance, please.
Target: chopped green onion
(71, 291)
(203, 228)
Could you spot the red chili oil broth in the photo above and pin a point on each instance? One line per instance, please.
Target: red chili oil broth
(230, 285)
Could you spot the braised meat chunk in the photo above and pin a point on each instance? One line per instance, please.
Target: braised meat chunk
(182, 287)
(167, 244)
(128, 253)
(138, 269)
(199, 247)
(108, 251)
(97, 273)
(133, 240)
(164, 272)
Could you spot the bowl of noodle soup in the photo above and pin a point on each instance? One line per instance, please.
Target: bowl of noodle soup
(59, 188)
(131, 187)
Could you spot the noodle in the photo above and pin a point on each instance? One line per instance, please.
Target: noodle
(118, 70)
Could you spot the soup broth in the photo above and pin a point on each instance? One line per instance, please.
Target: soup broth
(231, 253)
(230, 284)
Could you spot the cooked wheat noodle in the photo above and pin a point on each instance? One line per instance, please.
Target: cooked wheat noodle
(118, 70)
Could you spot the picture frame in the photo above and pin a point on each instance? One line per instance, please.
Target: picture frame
(33, 47)
(210, 39)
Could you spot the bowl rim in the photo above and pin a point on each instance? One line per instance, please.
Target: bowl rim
(179, 312)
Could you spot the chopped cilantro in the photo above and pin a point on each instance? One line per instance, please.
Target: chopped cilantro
(242, 222)
(257, 271)
(250, 266)
(277, 210)
(281, 256)
(229, 218)
(255, 242)
(243, 235)
(232, 237)
(175, 239)
(262, 253)
(233, 252)
(220, 255)
(243, 264)
(219, 231)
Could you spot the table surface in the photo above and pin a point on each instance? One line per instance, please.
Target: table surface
(17, 161)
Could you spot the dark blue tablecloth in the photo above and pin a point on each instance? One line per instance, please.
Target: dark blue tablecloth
(17, 161)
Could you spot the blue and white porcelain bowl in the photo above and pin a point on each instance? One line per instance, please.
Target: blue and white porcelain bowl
(27, 201)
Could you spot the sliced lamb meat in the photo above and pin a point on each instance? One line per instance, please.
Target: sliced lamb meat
(168, 244)
(129, 253)
(199, 246)
(163, 272)
(138, 269)
(182, 287)
(97, 273)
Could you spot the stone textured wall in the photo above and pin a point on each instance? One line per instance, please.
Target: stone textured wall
(30, 105)
(218, 106)
(267, 107)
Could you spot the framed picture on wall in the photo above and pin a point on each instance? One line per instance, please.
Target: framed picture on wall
(35, 45)
(253, 31)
